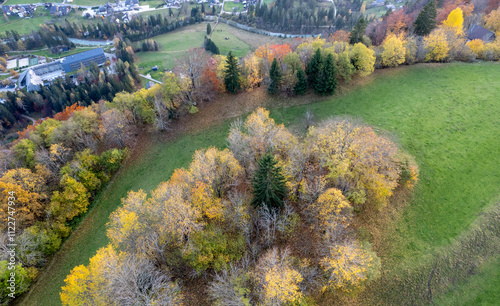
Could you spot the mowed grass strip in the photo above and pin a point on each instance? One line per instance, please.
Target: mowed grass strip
(444, 115)
(156, 166)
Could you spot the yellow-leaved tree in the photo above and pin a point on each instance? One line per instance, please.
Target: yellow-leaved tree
(29, 195)
(362, 164)
(437, 46)
(251, 139)
(493, 21)
(71, 201)
(394, 51)
(455, 21)
(88, 285)
(277, 280)
(329, 210)
(114, 278)
(216, 168)
(363, 59)
(477, 46)
(346, 265)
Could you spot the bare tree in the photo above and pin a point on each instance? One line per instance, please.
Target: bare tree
(190, 67)
(114, 128)
(135, 281)
(231, 286)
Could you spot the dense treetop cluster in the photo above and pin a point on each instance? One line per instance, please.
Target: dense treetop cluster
(269, 220)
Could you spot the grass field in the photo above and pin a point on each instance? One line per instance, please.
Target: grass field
(89, 2)
(176, 43)
(152, 3)
(229, 6)
(41, 16)
(12, 2)
(376, 11)
(444, 115)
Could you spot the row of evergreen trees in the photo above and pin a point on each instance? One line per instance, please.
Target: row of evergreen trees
(304, 16)
(138, 28)
(320, 75)
(44, 37)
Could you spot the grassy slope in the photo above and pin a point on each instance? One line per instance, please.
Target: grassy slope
(89, 2)
(176, 43)
(13, 2)
(25, 26)
(446, 116)
(229, 5)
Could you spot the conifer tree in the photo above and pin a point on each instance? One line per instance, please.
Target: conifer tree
(426, 20)
(301, 85)
(209, 29)
(275, 75)
(313, 67)
(268, 184)
(358, 31)
(327, 77)
(232, 74)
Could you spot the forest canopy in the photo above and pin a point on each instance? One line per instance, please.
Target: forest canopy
(201, 222)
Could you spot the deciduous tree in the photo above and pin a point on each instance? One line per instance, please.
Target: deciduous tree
(278, 281)
(394, 51)
(455, 21)
(437, 46)
(363, 59)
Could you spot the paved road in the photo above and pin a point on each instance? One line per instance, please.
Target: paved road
(28, 117)
(150, 78)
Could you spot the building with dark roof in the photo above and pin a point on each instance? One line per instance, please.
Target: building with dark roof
(478, 32)
(75, 61)
(44, 74)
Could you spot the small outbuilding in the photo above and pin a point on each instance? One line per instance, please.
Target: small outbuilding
(478, 32)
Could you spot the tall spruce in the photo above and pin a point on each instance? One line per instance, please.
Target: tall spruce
(209, 29)
(327, 82)
(426, 20)
(314, 67)
(300, 87)
(275, 75)
(232, 74)
(268, 184)
(358, 31)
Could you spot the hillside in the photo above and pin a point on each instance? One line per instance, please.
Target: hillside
(444, 115)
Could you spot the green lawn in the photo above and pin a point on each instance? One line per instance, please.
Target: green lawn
(22, 25)
(376, 11)
(12, 2)
(230, 5)
(444, 115)
(152, 3)
(163, 12)
(89, 2)
(41, 16)
(176, 43)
